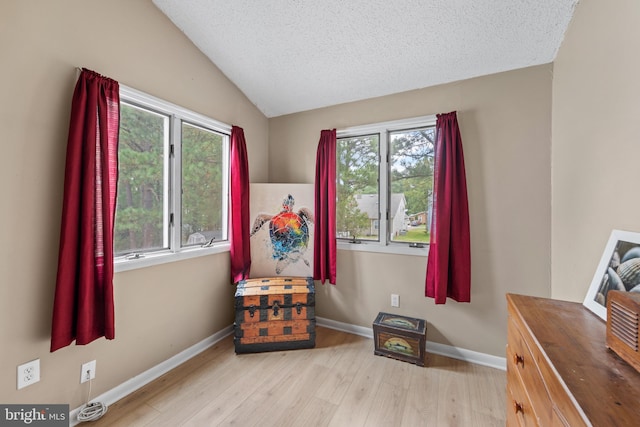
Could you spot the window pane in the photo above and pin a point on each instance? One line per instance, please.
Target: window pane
(357, 208)
(140, 222)
(202, 185)
(411, 183)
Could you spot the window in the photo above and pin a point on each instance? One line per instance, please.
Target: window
(384, 185)
(172, 180)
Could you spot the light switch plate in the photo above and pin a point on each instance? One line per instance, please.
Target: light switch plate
(395, 300)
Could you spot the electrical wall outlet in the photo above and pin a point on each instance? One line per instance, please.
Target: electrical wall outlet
(395, 300)
(88, 371)
(29, 373)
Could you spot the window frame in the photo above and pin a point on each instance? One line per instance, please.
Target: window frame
(173, 180)
(384, 244)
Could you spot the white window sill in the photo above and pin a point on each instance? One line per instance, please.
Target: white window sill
(392, 248)
(121, 264)
(167, 257)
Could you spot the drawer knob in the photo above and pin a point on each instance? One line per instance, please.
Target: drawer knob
(517, 406)
(518, 359)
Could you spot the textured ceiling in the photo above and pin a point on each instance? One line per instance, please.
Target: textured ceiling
(288, 56)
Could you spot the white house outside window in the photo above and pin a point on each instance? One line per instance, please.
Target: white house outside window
(384, 186)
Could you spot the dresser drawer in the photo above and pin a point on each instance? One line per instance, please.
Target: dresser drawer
(551, 402)
(519, 408)
(521, 359)
(565, 412)
(584, 383)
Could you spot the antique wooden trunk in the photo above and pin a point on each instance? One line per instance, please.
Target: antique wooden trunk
(276, 313)
(400, 337)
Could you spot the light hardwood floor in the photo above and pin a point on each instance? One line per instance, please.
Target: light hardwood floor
(339, 383)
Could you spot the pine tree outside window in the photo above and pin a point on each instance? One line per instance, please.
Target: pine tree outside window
(172, 183)
(384, 186)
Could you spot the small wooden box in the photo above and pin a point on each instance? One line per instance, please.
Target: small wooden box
(623, 326)
(400, 337)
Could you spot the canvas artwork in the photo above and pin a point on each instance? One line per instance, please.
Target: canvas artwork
(619, 269)
(281, 220)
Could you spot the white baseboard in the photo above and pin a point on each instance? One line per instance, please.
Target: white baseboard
(432, 347)
(345, 327)
(133, 384)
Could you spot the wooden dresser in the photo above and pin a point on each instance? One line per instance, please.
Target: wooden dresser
(559, 370)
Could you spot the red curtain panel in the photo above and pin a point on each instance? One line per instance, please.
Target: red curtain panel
(325, 248)
(239, 236)
(83, 306)
(449, 262)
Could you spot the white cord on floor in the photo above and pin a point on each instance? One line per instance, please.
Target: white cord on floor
(91, 411)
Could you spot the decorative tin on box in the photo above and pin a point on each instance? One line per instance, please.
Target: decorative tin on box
(276, 313)
(400, 337)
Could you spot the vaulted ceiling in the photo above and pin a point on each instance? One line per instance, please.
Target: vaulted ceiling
(289, 56)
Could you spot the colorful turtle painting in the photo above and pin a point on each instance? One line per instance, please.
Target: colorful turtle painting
(288, 231)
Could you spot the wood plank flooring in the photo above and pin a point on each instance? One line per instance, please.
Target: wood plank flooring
(340, 383)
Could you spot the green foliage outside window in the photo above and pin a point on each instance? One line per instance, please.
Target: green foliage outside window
(357, 171)
(202, 170)
(409, 174)
(144, 182)
(141, 193)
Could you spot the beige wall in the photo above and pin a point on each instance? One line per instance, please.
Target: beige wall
(161, 310)
(596, 140)
(506, 125)
(505, 122)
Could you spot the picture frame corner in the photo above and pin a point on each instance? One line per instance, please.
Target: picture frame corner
(595, 300)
